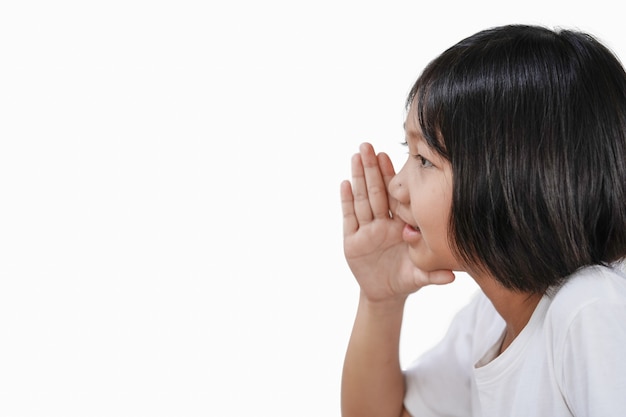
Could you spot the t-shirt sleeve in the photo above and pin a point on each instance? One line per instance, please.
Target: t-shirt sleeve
(438, 383)
(592, 372)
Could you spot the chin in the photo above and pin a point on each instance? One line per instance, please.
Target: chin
(431, 262)
(425, 264)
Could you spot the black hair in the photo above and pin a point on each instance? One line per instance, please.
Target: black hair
(533, 122)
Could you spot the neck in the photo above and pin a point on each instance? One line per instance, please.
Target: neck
(515, 307)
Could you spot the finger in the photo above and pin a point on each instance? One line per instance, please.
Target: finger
(350, 222)
(388, 172)
(441, 277)
(386, 167)
(362, 208)
(376, 189)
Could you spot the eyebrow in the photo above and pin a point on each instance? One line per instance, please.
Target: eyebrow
(414, 133)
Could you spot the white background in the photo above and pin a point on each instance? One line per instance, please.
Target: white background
(170, 230)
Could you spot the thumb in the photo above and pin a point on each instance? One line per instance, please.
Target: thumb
(441, 277)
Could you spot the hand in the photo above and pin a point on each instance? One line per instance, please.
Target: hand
(373, 245)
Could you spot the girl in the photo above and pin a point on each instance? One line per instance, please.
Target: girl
(517, 175)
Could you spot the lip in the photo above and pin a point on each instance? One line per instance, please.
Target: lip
(409, 234)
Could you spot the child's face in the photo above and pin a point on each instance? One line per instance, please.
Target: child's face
(423, 188)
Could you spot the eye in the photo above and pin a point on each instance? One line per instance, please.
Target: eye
(424, 163)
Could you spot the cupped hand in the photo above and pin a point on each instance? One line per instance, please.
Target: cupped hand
(373, 245)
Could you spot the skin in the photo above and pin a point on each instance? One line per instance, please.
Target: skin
(395, 242)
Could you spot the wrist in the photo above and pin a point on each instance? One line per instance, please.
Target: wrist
(391, 305)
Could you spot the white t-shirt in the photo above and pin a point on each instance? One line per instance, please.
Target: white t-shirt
(569, 360)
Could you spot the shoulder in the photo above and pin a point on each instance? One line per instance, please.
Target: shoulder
(591, 289)
(592, 300)
(585, 328)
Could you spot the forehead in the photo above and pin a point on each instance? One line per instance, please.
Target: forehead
(412, 127)
(415, 137)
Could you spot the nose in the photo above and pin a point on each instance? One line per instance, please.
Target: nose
(398, 187)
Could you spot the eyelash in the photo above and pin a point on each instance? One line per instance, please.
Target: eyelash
(424, 163)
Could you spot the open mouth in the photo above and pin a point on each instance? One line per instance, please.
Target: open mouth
(410, 233)
(409, 229)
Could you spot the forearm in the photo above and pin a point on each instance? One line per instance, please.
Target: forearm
(372, 382)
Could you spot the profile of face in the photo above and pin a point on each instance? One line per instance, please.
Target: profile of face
(423, 189)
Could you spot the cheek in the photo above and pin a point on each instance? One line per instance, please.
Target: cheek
(435, 207)
(438, 201)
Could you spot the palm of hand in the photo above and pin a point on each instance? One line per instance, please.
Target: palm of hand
(379, 259)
